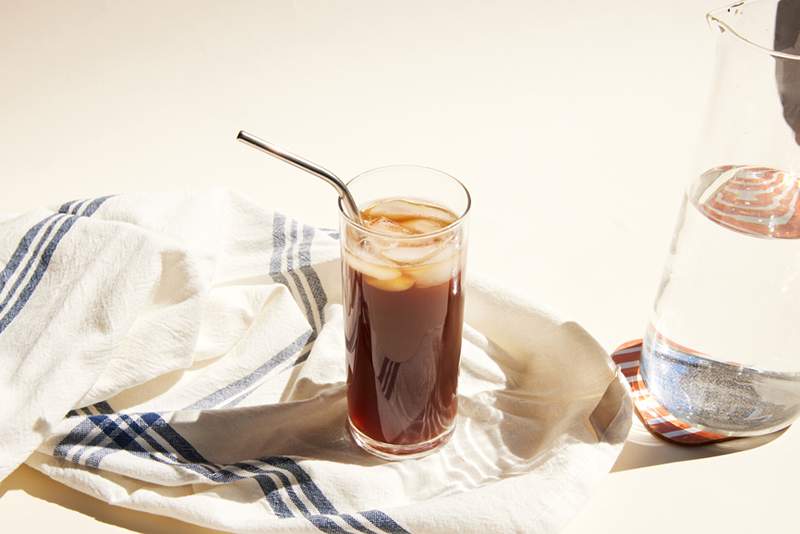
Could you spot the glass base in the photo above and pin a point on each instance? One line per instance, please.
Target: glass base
(723, 398)
(389, 451)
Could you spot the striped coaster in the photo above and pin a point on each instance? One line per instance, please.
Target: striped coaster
(653, 415)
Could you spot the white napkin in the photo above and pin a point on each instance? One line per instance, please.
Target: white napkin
(196, 341)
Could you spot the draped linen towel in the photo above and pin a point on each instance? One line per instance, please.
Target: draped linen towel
(183, 354)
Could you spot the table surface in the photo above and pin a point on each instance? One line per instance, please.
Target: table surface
(574, 125)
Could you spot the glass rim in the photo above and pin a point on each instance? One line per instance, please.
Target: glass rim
(716, 17)
(460, 218)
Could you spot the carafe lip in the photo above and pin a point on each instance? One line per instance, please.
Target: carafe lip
(719, 19)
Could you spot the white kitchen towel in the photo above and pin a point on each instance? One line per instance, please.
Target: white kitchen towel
(183, 354)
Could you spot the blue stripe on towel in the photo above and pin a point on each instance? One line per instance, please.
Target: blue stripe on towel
(74, 206)
(94, 205)
(311, 490)
(277, 274)
(235, 392)
(238, 386)
(296, 277)
(320, 521)
(136, 440)
(316, 496)
(319, 299)
(326, 524)
(202, 467)
(353, 522)
(43, 262)
(31, 260)
(77, 207)
(115, 438)
(22, 249)
(66, 206)
(74, 438)
(304, 271)
(273, 496)
(314, 283)
(141, 431)
(103, 407)
(383, 522)
(290, 491)
(182, 447)
(278, 245)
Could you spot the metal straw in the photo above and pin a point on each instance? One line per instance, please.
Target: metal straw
(349, 204)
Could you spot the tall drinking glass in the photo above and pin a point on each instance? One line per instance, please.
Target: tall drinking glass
(403, 268)
(722, 350)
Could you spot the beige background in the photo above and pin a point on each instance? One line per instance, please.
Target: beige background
(573, 123)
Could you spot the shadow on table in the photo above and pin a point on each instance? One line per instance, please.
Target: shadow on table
(41, 487)
(642, 449)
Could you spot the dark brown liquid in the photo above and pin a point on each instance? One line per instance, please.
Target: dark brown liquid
(403, 352)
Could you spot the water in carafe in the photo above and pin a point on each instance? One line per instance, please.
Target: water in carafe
(721, 350)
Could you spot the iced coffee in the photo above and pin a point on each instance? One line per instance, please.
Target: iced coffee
(403, 267)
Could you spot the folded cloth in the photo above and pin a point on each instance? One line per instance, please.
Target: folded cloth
(183, 354)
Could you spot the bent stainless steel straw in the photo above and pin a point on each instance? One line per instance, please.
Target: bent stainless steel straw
(348, 202)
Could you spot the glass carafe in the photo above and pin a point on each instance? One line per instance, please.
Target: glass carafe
(722, 348)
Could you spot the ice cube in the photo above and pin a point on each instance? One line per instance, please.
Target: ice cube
(382, 225)
(409, 254)
(364, 262)
(401, 283)
(446, 251)
(422, 226)
(402, 210)
(433, 274)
